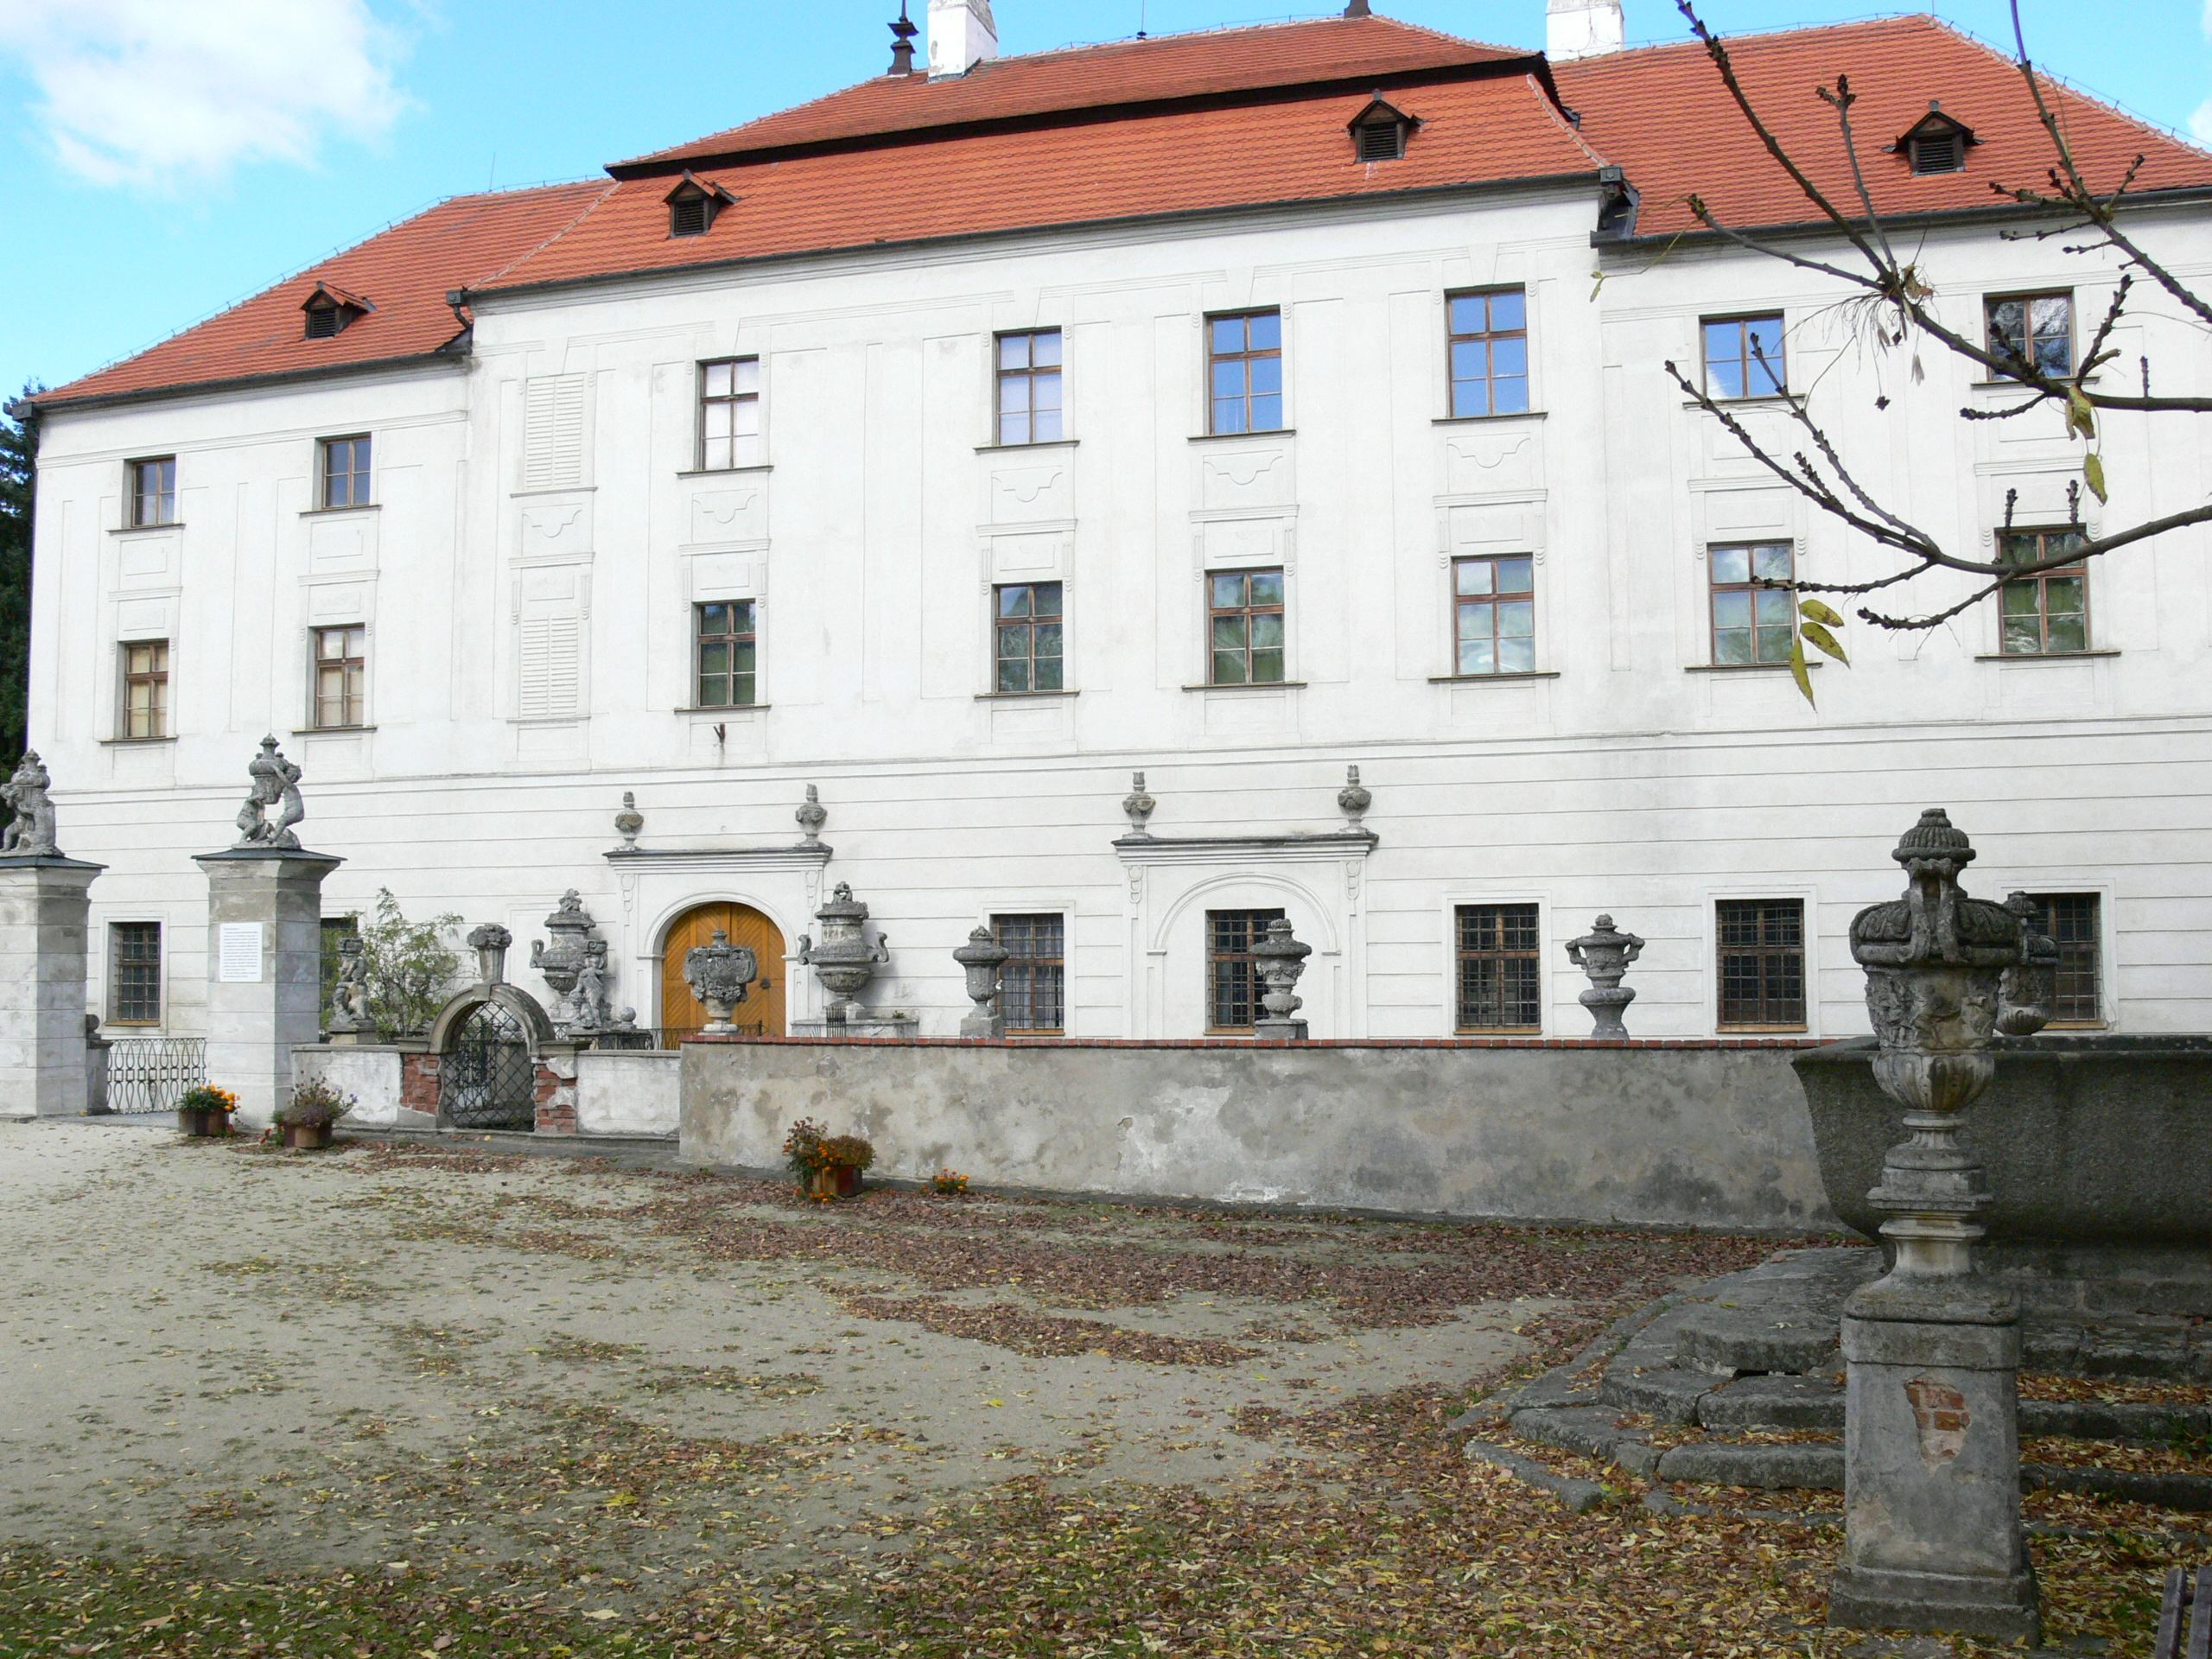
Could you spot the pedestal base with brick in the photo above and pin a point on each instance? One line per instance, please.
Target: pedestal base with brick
(265, 971)
(43, 905)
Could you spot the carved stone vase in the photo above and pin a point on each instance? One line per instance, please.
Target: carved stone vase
(1279, 960)
(1604, 954)
(558, 961)
(844, 961)
(981, 959)
(490, 942)
(718, 973)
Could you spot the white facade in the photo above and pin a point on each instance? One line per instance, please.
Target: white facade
(541, 532)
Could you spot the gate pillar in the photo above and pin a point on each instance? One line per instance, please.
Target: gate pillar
(44, 903)
(264, 969)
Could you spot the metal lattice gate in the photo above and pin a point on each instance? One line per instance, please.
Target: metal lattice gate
(150, 1074)
(487, 1079)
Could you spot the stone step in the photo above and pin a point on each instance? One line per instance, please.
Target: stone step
(1810, 1467)
(1773, 1402)
(1733, 1342)
(2103, 1419)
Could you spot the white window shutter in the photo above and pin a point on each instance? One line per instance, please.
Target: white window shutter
(553, 431)
(550, 657)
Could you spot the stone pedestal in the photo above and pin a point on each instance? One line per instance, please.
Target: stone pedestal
(903, 1027)
(1279, 1031)
(1933, 1539)
(265, 971)
(43, 904)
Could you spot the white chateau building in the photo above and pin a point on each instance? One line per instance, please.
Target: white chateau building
(1234, 408)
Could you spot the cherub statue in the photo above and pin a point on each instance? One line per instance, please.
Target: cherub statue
(31, 834)
(275, 783)
(349, 997)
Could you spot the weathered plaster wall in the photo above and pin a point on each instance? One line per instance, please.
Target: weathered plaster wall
(626, 1092)
(1705, 1134)
(370, 1074)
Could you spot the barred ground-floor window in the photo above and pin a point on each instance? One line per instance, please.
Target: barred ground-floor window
(1232, 980)
(1762, 964)
(1501, 969)
(1033, 985)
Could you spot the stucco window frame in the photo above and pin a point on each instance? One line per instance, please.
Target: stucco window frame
(1450, 674)
(1993, 883)
(1441, 398)
(119, 680)
(1202, 428)
(134, 918)
(1709, 964)
(1285, 565)
(998, 905)
(991, 442)
(1448, 1008)
(314, 666)
(697, 467)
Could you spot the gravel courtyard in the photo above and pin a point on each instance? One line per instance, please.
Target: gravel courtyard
(405, 1401)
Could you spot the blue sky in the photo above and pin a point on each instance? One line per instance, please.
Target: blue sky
(159, 160)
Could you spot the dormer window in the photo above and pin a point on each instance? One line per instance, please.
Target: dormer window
(1937, 144)
(330, 311)
(693, 204)
(1380, 132)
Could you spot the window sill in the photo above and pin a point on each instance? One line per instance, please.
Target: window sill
(1485, 420)
(1493, 679)
(1023, 696)
(1794, 400)
(1039, 443)
(1497, 1031)
(330, 731)
(2040, 656)
(359, 506)
(145, 530)
(1741, 668)
(726, 708)
(1252, 685)
(1762, 1031)
(2022, 385)
(135, 742)
(726, 471)
(1231, 437)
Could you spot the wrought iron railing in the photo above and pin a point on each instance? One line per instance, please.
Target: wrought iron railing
(148, 1074)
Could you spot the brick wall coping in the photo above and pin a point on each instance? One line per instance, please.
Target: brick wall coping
(1247, 1045)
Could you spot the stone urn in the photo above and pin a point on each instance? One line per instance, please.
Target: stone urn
(490, 942)
(629, 821)
(811, 815)
(718, 974)
(1354, 798)
(844, 961)
(980, 959)
(557, 962)
(1605, 953)
(2030, 989)
(1278, 959)
(1139, 805)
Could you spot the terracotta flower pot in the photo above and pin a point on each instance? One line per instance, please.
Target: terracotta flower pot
(307, 1137)
(835, 1181)
(203, 1120)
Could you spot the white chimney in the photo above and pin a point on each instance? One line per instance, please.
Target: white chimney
(1584, 28)
(962, 34)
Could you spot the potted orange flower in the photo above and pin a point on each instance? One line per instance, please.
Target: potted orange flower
(206, 1111)
(826, 1167)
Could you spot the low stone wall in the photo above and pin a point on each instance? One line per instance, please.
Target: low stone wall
(1711, 1134)
(627, 1091)
(372, 1074)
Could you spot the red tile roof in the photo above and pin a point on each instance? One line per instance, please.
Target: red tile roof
(404, 273)
(1295, 149)
(1662, 114)
(1170, 67)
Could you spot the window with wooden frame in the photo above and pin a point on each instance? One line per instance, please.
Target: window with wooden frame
(134, 974)
(1494, 615)
(145, 688)
(345, 472)
(730, 414)
(1761, 967)
(1033, 985)
(1244, 627)
(1232, 977)
(724, 665)
(1744, 358)
(1488, 344)
(2046, 614)
(2037, 329)
(153, 491)
(341, 677)
(1753, 619)
(1501, 969)
(1028, 636)
(1028, 375)
(1245, 371)
(2075, 922)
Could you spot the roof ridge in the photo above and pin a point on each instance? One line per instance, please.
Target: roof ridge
(1558, 117)
(605, 189)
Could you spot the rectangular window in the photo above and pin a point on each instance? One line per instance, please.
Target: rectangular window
(345, 471)
(341, 677)
(1744, 358)
(730, 414)
(1245, 371)
(2037, 329)
(153, 491)
(2046, 614)
(2075, 921)
(1753, 621)
(1244, 613)
(1761, 965)
(1489, 353)
(1494, 615)
(1029, 636)
(134, 958)
(1232, 982)
(1033, 986)
(723, 654)
(1501, 970)
(1029, 387)
(146, 688)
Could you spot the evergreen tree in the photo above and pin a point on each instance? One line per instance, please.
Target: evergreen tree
(18, 484)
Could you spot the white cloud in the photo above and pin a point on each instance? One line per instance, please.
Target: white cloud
(158, 92)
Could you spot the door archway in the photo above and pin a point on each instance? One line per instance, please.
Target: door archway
(761, 1014)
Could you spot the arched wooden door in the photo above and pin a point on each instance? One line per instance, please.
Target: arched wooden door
(761, 1014)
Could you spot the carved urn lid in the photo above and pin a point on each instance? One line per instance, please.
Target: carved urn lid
(490, 937)
(1281, 946)
(982, 950)
(842, 906)
(569, 916)
(1934, 841)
